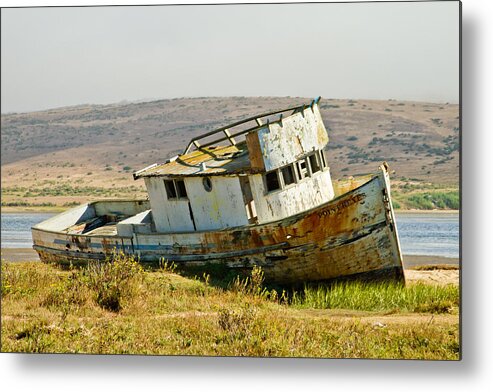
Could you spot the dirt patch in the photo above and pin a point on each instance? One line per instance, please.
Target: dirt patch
(19, 254)
(378, 320)
(441, 277)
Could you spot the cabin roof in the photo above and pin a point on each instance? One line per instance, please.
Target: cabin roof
(218, 160)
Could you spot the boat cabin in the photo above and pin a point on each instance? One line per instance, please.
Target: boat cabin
(272, 166)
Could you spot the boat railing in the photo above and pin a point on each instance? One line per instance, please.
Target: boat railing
(226, 132)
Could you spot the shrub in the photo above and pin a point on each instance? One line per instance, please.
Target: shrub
(6, 279)
(114, 280)
(67, 292)
(421, 202)
(432, 200)
(252, 284)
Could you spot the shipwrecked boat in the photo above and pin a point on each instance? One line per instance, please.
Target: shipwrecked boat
(264, 197)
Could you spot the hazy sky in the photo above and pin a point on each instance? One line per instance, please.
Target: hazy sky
(54, 57)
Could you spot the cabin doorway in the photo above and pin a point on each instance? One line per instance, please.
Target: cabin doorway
(248, 199)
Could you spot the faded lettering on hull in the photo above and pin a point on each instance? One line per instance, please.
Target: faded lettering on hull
(342, 205)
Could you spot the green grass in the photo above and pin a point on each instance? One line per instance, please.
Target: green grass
(381, 297)
(425, 197)
(68, 190)
(433, 200)
(121, 308)
(26, 204)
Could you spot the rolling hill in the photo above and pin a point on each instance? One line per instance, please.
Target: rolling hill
(68, 154)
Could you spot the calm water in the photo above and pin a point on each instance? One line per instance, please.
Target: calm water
(16, 228)
(429, 234)
(420, 234)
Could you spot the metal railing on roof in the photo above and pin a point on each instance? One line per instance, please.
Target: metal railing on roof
(230, 136)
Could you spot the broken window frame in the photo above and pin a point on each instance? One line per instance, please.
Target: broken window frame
(266, 181)
(297, 171)
(315, 156)
(293, 174)
(306, 171)
(323, 160)
(181, 191)
(175, 193)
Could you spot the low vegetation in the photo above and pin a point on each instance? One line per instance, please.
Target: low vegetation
(119, 307)
(69, 190)
(427, 201)
(434, 200)
(424, 196)
(381, 298)
(60, 196)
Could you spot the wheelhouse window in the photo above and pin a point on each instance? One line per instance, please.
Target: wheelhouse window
(322, 159)
(170, 189)
(288, 175)
(175, 189)
(180, 189)
(272, 181)
(295, 172)
(314, 165)
(302, 168)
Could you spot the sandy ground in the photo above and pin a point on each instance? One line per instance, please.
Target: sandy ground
(19, 254)
(445, 270)
(438, 276)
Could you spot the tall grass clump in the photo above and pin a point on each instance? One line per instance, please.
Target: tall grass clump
(114, 280)
(67, 292)
(253, 285)
(22, 282)
(380, 297)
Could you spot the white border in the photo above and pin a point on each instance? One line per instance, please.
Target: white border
(116, 373)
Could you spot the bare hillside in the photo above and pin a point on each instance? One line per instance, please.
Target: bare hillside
(99, 146)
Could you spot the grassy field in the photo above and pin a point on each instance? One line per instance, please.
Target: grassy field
(120, 308)
(415, 195)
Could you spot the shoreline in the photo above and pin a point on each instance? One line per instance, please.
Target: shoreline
(424, 212)
(411, 261)
(33, 210)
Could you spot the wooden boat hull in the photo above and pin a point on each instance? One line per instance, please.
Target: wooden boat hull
(352, 236)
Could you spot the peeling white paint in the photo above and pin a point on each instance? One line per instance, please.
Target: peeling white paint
(299, 134)
(169, 215)
(299, 197)
(222, 207)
